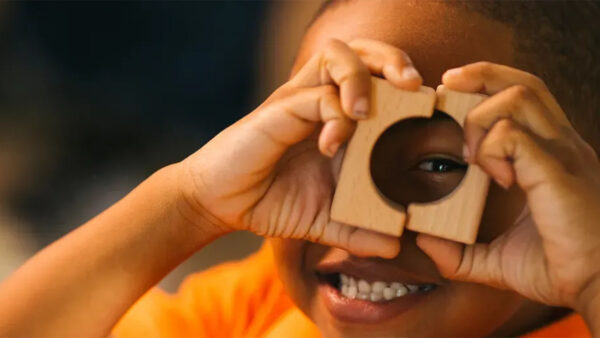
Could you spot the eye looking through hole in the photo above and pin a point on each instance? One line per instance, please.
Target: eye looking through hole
(419, 159)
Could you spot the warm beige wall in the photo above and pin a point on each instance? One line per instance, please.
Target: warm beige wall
(281, 35)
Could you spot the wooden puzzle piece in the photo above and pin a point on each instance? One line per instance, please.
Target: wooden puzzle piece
(358, 202)
(457, 215)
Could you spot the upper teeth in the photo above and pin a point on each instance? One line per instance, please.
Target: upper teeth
(376, 291)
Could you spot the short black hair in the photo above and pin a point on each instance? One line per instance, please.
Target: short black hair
(559, 41)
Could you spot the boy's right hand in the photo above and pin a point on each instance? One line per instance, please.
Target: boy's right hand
(267, 173)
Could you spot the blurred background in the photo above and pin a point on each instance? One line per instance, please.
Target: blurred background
(96, 96)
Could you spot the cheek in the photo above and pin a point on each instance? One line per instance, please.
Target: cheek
(486, 309)
(298, 279)
(502, 208)
(463, 310)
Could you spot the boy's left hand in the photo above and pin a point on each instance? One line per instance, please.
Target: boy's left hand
(520, 135)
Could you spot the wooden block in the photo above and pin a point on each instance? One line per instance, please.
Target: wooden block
(358, 202)
(457, 215)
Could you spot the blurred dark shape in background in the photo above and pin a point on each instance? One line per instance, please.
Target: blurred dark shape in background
(107, 93)
(94, 97)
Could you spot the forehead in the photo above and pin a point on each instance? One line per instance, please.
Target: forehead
(436, 36)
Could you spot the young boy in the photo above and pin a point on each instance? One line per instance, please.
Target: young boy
(273, 173)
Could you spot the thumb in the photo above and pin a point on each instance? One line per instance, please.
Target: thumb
(359, 242)
(477, 263)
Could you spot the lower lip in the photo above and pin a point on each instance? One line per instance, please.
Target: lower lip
(362, 311)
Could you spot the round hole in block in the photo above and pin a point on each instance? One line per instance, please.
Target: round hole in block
(418, 160)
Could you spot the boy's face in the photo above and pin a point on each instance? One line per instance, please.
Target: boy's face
(437, 37)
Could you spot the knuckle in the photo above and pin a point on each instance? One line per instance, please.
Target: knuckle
(399, 58)
(475, 116)
(513, 138)
(327, 90)
(354, 43)
(472, 117)
(346, 236)
(504, 127)
(485, 68)
(574, 152)
(356, 74)
(332, 44)
(503, 132)
(514, 134)
(535, 82)
(287, 92)
(361, 46)
(394, 54)
(316, 233)
(518, 93)
(484, 150)
(589, 152)
(464, 269)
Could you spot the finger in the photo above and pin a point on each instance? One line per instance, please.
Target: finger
(338, 64)
(290, 120)
(334, 133)
(490, 78)
(518, 103)
(337, 128)
(477, 263)
(359, 242)
(509, 154)
(388, 61)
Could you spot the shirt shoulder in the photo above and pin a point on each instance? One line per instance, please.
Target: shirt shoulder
(570, 326)
(233, 299)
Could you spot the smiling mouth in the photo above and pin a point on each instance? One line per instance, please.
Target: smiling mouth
(370, 292)
(351, 287)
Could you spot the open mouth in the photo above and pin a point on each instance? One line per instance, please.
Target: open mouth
(378, 291)
(369, 292)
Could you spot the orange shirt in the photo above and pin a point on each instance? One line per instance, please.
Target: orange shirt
(245, 299)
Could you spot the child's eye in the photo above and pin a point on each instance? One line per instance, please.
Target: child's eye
(440, 165)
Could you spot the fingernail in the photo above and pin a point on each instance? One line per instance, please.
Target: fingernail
(410, 73)
(453, 72)
(333, 148)
(504, 185)
(465, 152)
(361, 108)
